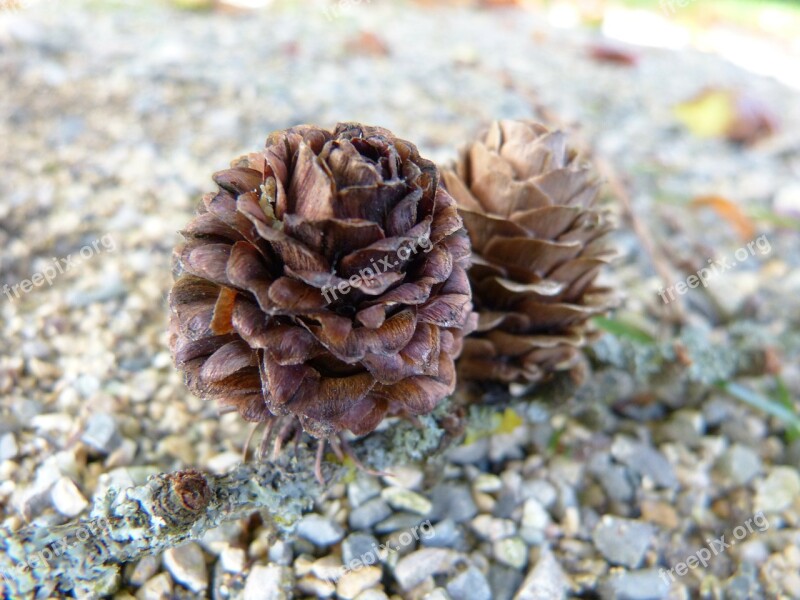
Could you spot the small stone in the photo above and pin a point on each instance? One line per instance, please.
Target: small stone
(359, 546)
(778, 490)
(504, 581)
(223, 462)
(8, 447)
(540, 490)
(644, 460)
(368, 514)
(469, 454)
(738, 465)
(511, 552)
(622, 541)
(453, 501)
(362, 489)
(617, 482)
(146, 567)
(407, 477)
(492, 529)
(318, 588)
(156, 588)
(123, 455)
(101, 433)
(302, 565)
(268, 582)
(487, 483)
(545, 581)
(413, 569)
(67, 498)
(534, 516)
(470, 584)
(233, 560)
(659, 513)
(445, 534)
(352, 583)
(486, 503)
(329, 568)
(187, 564)
(437, 594)
(281, 553)
(403, 499)
(399, 521)
(319, 531)
(635, 585)
(224, 536)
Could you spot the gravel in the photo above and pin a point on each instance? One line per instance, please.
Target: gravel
(113, 117)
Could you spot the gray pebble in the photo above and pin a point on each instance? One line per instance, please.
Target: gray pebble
(413, 569)
(545, 581)
(399, 521)
(504, 581)
(644, 460)
(101, 433)
(446, 534)
(369, 513)
(738, 465)
(636, 585)
(622, 541)
(453, 501)
(319, 531)
(470, 584)
(362, 489)
(358, 546)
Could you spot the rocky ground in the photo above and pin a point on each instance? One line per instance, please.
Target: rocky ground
(115, 115)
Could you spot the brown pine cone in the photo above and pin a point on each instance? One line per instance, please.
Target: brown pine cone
(537, 242)
(325, 280)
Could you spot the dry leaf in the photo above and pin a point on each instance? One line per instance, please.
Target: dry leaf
(737, 116)
(613, 54)
(730, 212)
(367, 43)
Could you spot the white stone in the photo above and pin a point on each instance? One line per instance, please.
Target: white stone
(268, 582)
(67, 498)
(187, 564)
(352, 583)
(8, 447)
(233, 559)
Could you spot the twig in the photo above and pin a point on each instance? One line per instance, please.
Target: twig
(84, 557)
(642, 231)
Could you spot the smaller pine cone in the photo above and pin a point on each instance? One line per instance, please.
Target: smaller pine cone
(324, 281)
(538, 244)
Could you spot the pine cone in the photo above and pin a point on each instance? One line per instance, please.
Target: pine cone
(537, 244)
(325, 280)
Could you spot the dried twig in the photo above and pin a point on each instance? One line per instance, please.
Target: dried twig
(84, 557)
